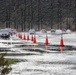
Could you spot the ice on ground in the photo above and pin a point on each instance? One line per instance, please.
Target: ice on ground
(50, 64)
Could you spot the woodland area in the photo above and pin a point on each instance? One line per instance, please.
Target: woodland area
(39, 14)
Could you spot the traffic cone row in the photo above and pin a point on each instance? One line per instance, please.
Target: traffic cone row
(27, 37)
(33, 38)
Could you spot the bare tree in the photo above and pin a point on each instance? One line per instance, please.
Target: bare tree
(24, 25)
(59, 14)
(31, 14)
(39, 15)
(75, 14)
(51, 13)
(15, 14)
(68, 13)
(8, 13)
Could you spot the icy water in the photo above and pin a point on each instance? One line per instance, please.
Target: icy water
(41, 61)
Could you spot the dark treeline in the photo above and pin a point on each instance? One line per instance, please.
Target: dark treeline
(27, 14)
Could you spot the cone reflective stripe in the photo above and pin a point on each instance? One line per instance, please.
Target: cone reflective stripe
(34, 39)
(61, 44)
(24, 37)
(28, 37)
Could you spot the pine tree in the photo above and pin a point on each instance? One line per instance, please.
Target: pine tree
(4, 66)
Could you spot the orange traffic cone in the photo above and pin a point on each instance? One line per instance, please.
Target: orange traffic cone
(28, 37)
(34, 39)
(24, 37)
(61, 44)
(46, 41)
(20, 36)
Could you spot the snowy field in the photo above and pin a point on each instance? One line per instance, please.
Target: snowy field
(37, 60)
(52, 63)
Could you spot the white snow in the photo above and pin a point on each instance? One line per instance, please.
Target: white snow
(58, 31)
(53, 63)
(68, 31)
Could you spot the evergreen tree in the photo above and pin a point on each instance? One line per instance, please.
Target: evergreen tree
(4, 66)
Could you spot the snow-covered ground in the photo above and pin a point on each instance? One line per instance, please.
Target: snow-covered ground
(45, 64)
(37, 60)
